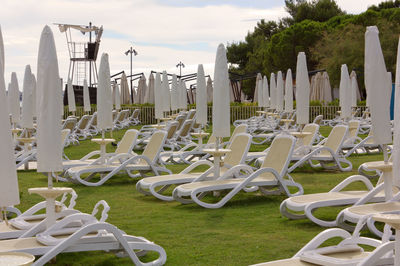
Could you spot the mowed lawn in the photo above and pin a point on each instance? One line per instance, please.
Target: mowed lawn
(247, 230)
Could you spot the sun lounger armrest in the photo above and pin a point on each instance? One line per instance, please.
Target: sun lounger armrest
(72, 201)
(137, 157)
(188, 146)
(370, 194)
(235, 169)
(319, 239)
(89, 155)
(104, 213)
(196, 164)
(352, 179)
(120, 156)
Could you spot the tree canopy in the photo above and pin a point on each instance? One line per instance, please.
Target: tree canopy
(327, 35)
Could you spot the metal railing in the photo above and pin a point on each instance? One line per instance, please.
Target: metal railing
(237, 112)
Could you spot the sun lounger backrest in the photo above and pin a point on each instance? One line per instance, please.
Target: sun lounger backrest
(335, 139)
(83, 122)
(180, 119)
(93, 121)
(279, 154)
(173, 127)
(318, 119)
(114, 114)
(64, 134)
(153, 148)
(184, 131)
(313, 129)
(239, 147)
(127, 142)
(238, 130)
(354, 126)
(371, 140)
(70, 124)
(191, 114)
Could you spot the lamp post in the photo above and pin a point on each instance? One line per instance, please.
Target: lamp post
(180, 65)
(132, 52)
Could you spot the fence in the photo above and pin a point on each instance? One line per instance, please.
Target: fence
(237, 112)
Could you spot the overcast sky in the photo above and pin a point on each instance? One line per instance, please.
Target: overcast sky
(163, 32)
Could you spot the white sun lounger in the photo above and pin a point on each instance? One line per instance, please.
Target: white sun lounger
(158, 184)
(269, 179)
(147, 162)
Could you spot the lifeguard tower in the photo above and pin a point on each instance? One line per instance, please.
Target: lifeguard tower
(83, 44)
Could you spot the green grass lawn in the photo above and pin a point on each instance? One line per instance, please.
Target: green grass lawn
(249, 229)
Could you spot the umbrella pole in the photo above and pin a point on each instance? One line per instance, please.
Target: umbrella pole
(4, 213)
(385, 153)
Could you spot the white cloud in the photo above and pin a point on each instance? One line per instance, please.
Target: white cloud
(156, 31)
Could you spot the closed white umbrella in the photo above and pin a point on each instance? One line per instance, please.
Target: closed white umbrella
(279, 92)
(265, 92)
(326, 90)
(289, 91)
(9, 192)
(378, 87)
(272, 88)
(302, 90)
(355, 93)
(174, 94)
(221, 114)
(104, 96)
(149, 95)
(2, 59)
(86, 97)
(166, 95)
(255, 96)
(34, 108)
(27, 114)
(231, 96)
(396, 131)
(260, 92)
(158, 108)
(49, 99)
(15, 103)
(345, 93)
(209, 90)
(9, 97)
(71, 96)
(201, 97)
(125, 96)
(117, 97)
(143, 89)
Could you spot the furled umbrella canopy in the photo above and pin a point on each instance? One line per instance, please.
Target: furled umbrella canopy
(302, 90)
(27, 114)
(209, 90)
(289, 91)
(201, 97)
(272, 88)
(326, 91)
(34, 108)
(260, 92)
(355, 92)
(174, 93)
(256, 88)
(158, 112)
(184, 97)
(14, 99)
(143, 89)
(117, 97)
(378, 87)
(221, 114)
(71, 96)
(2, 58)
(166, 95)
(125, 96)
(49, 150)
(86, 97)
(279, 92)
(396, 131)
(345, 93)
(149, 95)
(265, 94)
(104, 95)
(9, 192)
